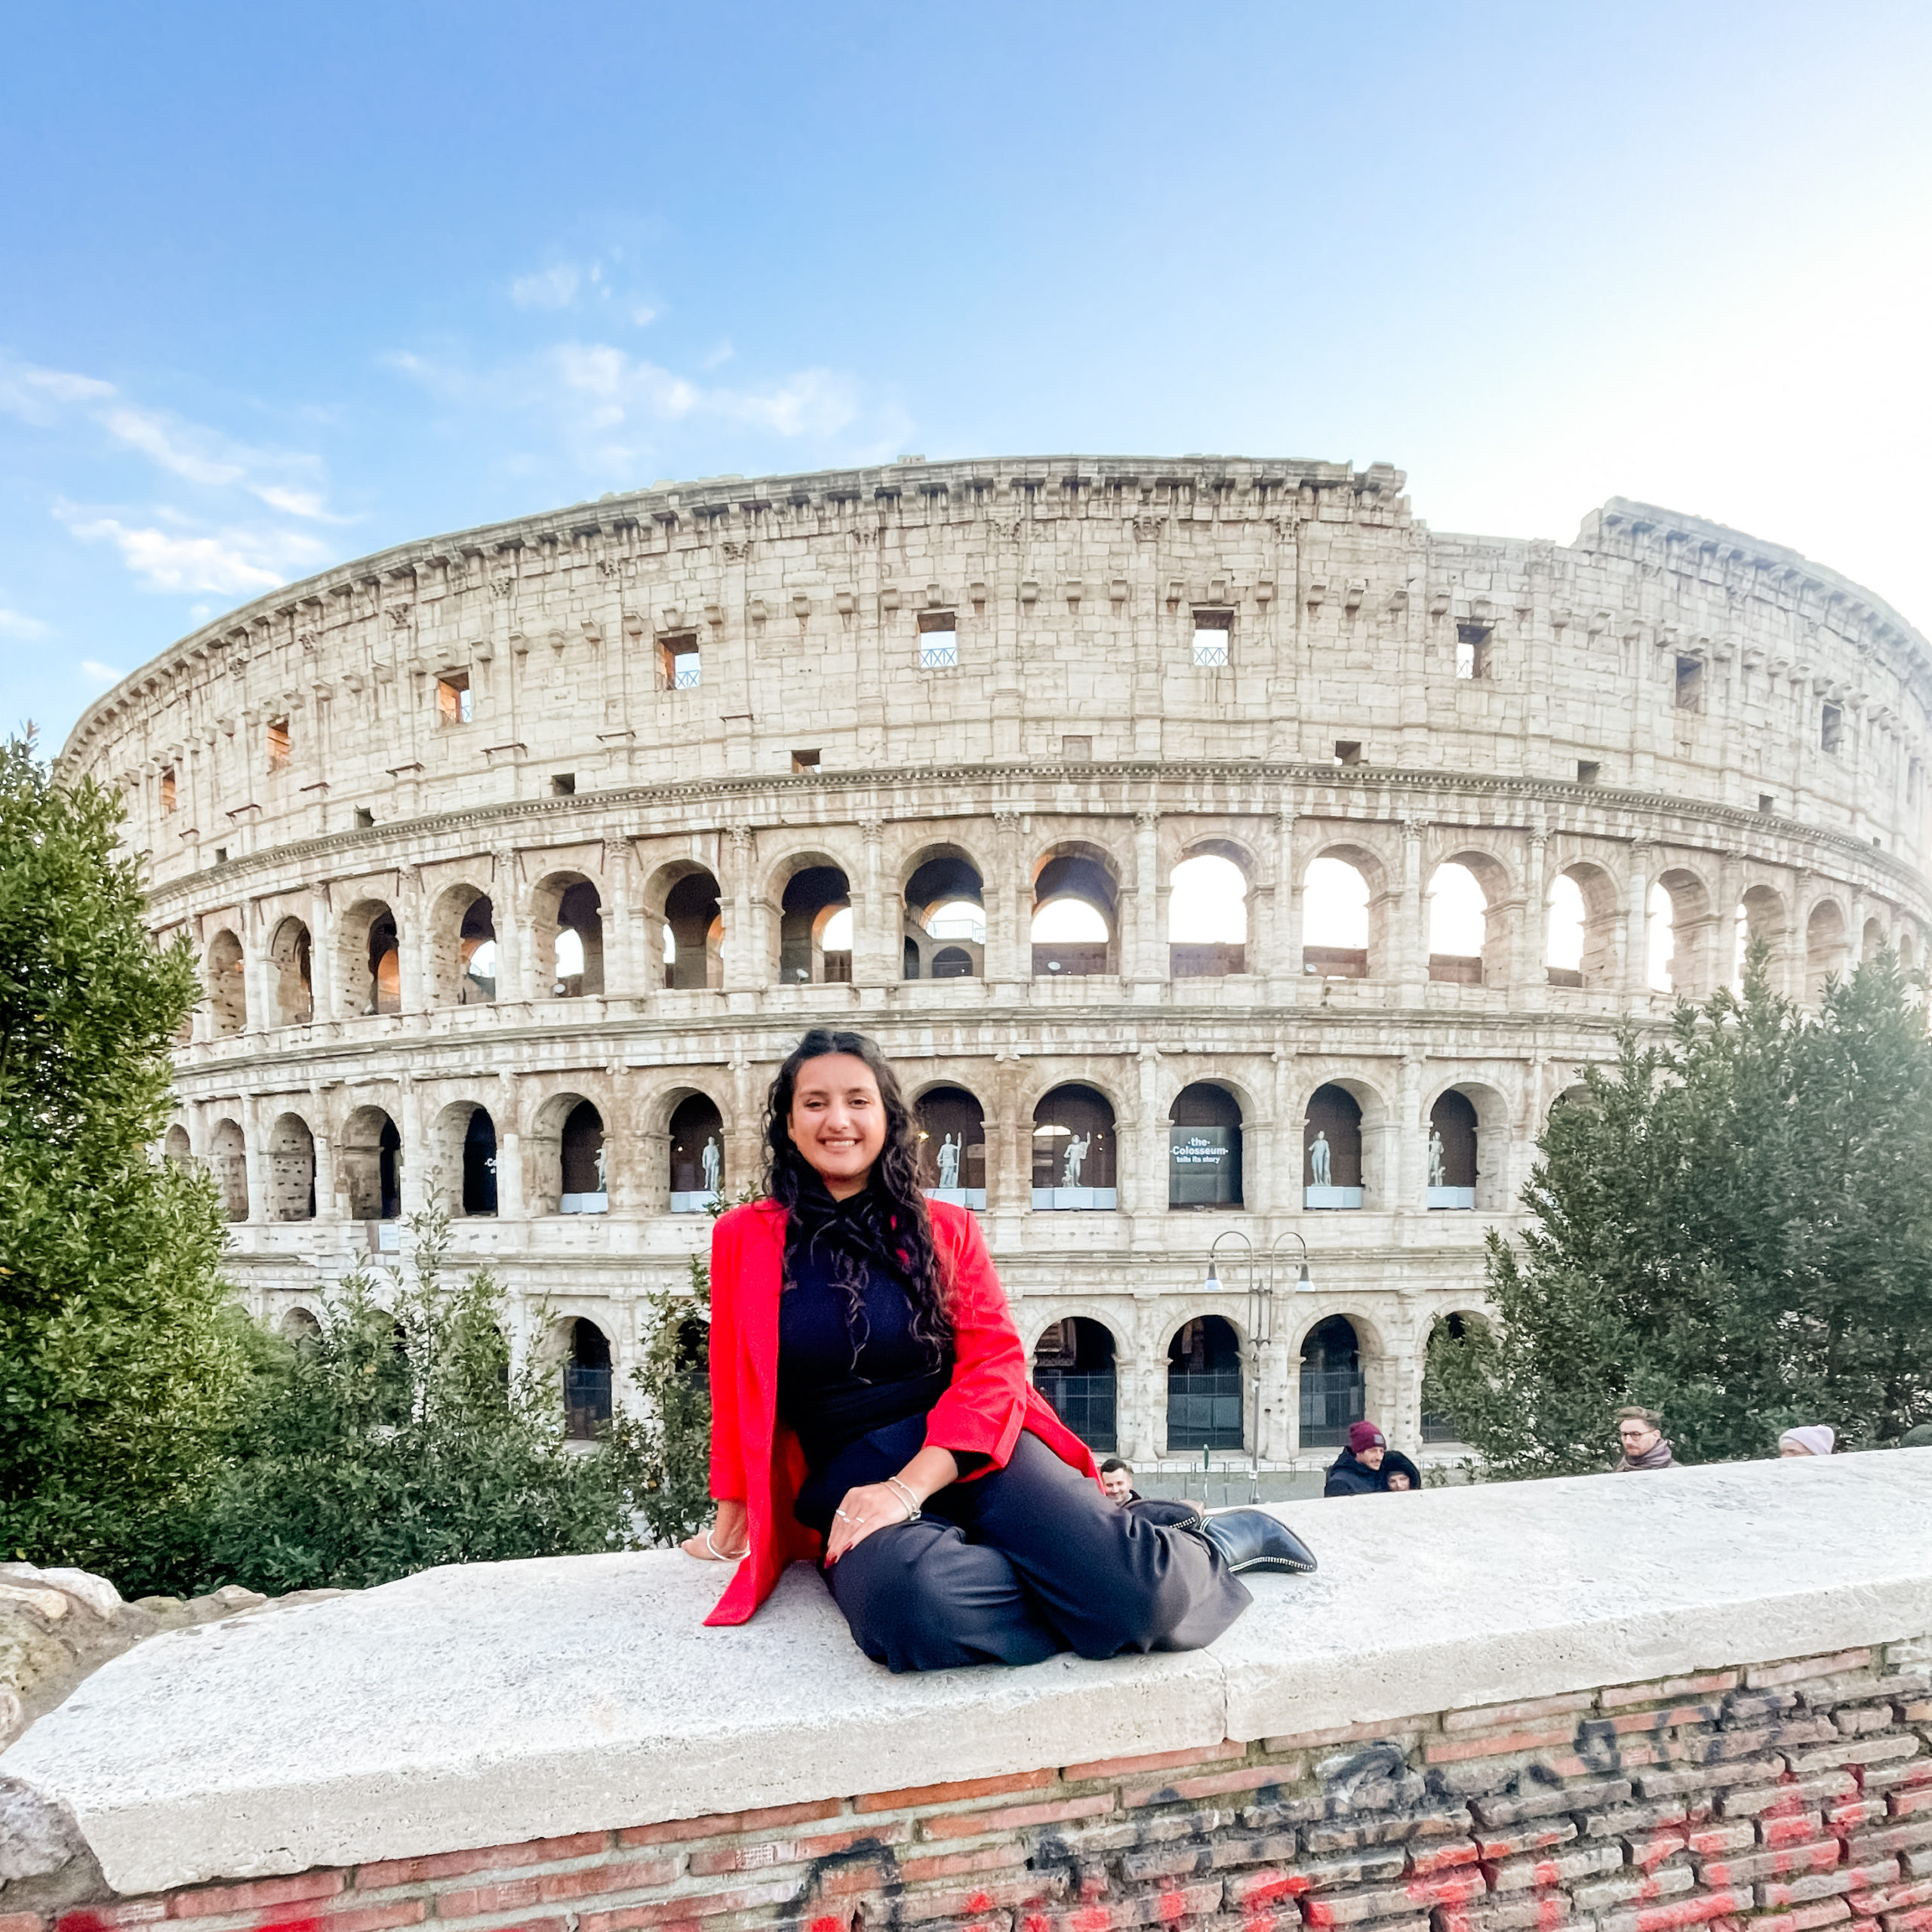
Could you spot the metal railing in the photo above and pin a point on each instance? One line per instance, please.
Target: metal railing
(1330, 1400)
(1204, 1410)
(586, 1401)
(1085, 1403)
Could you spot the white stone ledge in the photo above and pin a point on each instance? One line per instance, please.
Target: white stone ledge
(506, 1702)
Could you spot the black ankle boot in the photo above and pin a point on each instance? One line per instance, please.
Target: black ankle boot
(1253, 1540)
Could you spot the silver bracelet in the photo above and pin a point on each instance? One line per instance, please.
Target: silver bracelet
(913, 1513)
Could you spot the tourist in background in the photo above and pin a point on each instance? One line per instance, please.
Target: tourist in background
(1817, 1439)
(1398, 1472)
(1640, 1432)
(872, 1411)
(1357, 1471)
(1117, 1479)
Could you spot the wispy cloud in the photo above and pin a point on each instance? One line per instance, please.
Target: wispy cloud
(17, 623)
(604, 281)
(103, 674)
(554, 287)
(233, 562)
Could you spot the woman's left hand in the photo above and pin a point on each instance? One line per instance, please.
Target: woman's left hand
(878, 1506)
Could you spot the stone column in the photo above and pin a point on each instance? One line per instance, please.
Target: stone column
(1288, 900)
(511, 917)
(621, 975)
(1636, 928)
(509, 1150)
(412, 942)
(1143, 1195)
(1530, 973)
(877, 958)
(1000, 900)
(1149, 967)
(328, 1208)
(1410, 1164)
(323, 966)
(255, 1139)
(1410, 949)
(416, 1158)
(256, 982)
(744, 970)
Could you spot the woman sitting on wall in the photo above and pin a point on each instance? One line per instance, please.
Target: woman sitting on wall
(871, 1410)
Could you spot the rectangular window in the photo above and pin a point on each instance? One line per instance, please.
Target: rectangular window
(678, 659)
(453, 698)
(1588, 770)
(221, 855)
(1348, 751)
(1472, 651)
(1689, 684)
(280, 748)
(1766, 802)
(167, 790)
(1213, 633)
(1831, 728)
(805, 761)
(939, 641)
(364, 818)
(563, 785)
(1076, 751)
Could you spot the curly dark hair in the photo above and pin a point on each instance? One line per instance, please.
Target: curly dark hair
(888, 1225)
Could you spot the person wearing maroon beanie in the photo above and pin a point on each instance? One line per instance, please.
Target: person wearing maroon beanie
(1357, 1471)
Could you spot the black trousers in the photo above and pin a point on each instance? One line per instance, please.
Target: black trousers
(1024, 1561)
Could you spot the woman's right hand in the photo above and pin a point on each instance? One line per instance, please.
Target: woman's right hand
(725, 1542)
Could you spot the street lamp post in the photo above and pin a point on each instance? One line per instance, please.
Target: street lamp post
(1304, 1284)
(1213, 1286)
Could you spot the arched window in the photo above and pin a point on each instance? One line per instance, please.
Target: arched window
(479, 1163)
(1207, 918)
(1563, 956)
(952, 1146)
(476, 943)
(228, 985)
(1334, 921)
(1073, 1368)
(587, 1383)
(228, 1160)
(1333, 1393)
(578, 942)
(814, 944)
(693, 933)
(385, 965)
(1074, 917)
(1458, 923)
(1073, 1150)
(289, 956)
(697, 1155)
(1452, 1151)
(1659, 920)
(1872, 941)
(1447, 1332)
(301, 1328)
(291, 1170)
(369, 1157)
(1204, 1387)
(175, 1148)
(945, 919)
(1204, 1148)
(1331, 1141)
(1826, 949)
(581, 1156)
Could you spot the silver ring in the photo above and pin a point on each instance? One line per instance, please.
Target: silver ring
(841, 1515)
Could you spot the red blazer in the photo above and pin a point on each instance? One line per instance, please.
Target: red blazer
(756, 1460)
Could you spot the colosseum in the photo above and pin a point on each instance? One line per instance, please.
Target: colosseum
(1239, 869)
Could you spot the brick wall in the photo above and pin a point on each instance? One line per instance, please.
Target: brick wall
(1783, 1797)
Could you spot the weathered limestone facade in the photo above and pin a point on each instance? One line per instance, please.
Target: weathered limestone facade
(986, 680)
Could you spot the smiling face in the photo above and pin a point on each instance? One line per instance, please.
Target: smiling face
(838, 1120)
(1371, 1458)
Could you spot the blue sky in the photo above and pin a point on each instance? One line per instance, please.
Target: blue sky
(280, 287)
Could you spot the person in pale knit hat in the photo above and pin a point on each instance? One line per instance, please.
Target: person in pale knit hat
(1817, 1439)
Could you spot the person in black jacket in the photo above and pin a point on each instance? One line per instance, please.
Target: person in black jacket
(1398, 1472)
(1357, 1471)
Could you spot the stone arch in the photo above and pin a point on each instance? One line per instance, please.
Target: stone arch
(228, 1162)
(369, 960)
(951, 1125)
(589, 1365)
(1075, 1148)
(175, 1148)
(567, 936)
(816, 891)
(1762, 914)
(292, 966)
(1204, 1146)
(291, 1174)
(683, 917)
(1207, 1385)
(1443, 1328)
(300, 1325)
(1827, 949)
(1210, 877)
(1473, 1120)
(1074, 1365)
(943, 894)
(567, 1170)
(461, 947)
(1070, 875)
(369, 1160)
(695, 1146)
(1353, 1118)
(225, 972)
(462, 1153)
(1350, 942)
(1495, 881)
(1592, 961)
(1872, 941)
(1691, 922)
(1333, 1380)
